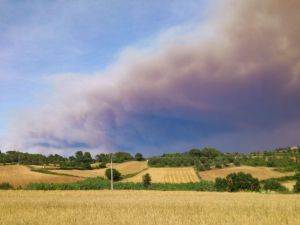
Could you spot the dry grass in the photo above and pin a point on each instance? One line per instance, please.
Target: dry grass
(131, 167)
(83, 173)
(168, 175)
(44, 167)
(125, 168)
(18, 175)
(258, 172)
(147, 208)
(289, 184)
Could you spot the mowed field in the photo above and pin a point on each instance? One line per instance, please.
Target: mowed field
(147, 208)
(258, 172)
(125, 168)
(19, 175)
(167, 175)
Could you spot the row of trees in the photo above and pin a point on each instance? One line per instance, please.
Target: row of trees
(119, 157)
(14, 157)
(202, 159)
(80, 160)
(207, 158)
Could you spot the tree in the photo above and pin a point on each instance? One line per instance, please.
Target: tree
(139, 157)
(147, 180)
(210, 152)
(242, 182)
(120, 157)
(79, 156)
(102, 157)
(116, 174)
(87, 158)
(195, 152)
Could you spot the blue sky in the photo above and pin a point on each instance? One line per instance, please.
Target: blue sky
(150, 76)
(42, 38)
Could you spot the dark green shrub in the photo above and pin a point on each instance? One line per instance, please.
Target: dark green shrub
(116, 174)
(274, 185)
(236, 163)
(242, 182)
(102, 165)
(218, 165)
(139, 157)
(206, 165)
(221, 184)
(6, 186)
(297, 185)
(146, 180)
(85, 166)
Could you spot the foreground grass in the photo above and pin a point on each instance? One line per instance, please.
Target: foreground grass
(147, 207)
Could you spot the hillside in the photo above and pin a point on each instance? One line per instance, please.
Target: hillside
(261, 173)
(168, 175)
(19, 175)
(125, 168)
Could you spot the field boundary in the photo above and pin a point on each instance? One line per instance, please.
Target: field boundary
(46, 171)
(134, 174)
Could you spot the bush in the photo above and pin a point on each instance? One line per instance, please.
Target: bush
(146, 180)
(221, 184)
(242, 182)
(218, 165)
(297, 185)
(102, 165)
(206, 166)
(85, 166)
(116, 174)
(103, 184)
(87, 184)
(236, 163)
(274, 185)
(6, 186)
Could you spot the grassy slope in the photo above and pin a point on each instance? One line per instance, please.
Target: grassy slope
(19, 175)
(258, 172)
(125, 169)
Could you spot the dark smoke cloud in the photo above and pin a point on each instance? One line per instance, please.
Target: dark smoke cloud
(232, 83)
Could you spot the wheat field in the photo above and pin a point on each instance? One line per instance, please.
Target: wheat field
(19, 175)
(147, 208)
(125, 169)
(167, 175)
(258, 172)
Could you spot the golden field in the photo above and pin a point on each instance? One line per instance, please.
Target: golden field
(19, 175)
(125, 168)
(147, 208)
(289, 184)
(167, 175)
(258, 172)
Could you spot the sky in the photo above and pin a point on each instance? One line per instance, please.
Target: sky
(149, 76)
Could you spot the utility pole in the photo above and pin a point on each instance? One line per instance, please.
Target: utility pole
(111, 173)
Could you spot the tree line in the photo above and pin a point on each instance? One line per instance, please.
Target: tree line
(80, 160)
